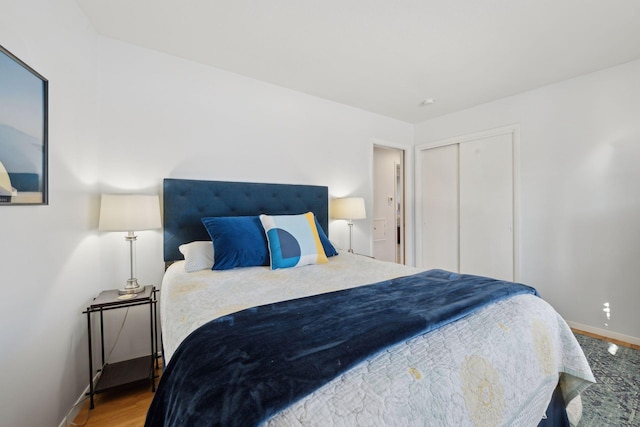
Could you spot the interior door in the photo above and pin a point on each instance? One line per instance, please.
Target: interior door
(440, 208)
(468, 210)
(486, 207)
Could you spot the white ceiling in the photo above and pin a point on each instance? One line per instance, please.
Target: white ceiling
(386, 56)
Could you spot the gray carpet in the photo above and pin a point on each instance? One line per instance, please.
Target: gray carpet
(615, 399)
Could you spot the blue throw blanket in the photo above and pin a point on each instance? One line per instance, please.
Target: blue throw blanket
(243, 368)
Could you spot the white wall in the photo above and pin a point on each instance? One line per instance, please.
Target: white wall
(123, 118)
(580, 196)
(166, 117)
(49, 254)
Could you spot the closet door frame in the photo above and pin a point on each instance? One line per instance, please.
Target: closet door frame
(514, 131)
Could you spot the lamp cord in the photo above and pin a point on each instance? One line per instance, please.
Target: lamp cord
(115, 343)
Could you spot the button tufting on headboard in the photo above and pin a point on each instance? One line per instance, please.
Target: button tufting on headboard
(187, 201)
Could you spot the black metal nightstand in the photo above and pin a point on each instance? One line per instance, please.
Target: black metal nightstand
(129, 371)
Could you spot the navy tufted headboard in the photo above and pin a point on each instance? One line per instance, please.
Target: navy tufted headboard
(187, 201)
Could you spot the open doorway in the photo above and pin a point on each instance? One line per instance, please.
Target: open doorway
(388, 204)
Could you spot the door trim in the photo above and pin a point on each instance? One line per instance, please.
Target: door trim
(409, 203)
(514, 130)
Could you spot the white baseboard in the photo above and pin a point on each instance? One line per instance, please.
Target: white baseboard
(73, 412)
(605, 333)
(75, 409)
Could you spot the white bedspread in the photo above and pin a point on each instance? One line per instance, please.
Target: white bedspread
(496, 367)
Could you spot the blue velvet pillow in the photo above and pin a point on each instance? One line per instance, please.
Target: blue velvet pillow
(293, 240)
(238, 241)
(329, 250)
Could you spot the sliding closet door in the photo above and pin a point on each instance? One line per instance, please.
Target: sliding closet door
(440, 208)
(467, 195)
(486, 207)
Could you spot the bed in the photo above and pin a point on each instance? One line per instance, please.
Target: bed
(344, 340)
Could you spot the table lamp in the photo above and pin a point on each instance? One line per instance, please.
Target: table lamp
(130, 213)
(348, 208)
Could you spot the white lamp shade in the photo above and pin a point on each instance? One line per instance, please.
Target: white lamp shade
(348, 208)
(129, 212)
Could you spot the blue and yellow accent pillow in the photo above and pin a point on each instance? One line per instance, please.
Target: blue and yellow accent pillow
(293, 240)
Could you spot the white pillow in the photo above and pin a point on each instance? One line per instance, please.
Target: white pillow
(197, 255)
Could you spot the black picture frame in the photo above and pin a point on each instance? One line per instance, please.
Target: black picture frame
(24, 128)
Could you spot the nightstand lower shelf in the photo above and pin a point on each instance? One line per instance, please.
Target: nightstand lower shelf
(132, 371)
(125, 373)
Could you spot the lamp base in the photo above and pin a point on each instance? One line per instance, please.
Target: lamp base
(132, 287)
(129, 291)
(350, 236)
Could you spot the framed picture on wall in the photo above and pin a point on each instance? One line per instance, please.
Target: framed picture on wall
(23, 133)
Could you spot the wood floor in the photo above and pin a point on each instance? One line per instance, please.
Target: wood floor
(611, 340)
(128, 408)
(118, 408)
